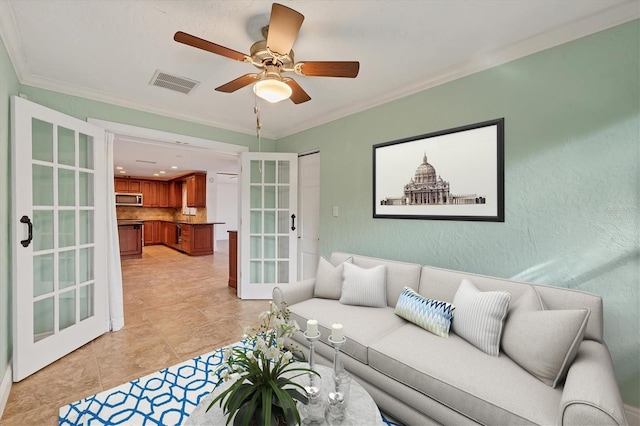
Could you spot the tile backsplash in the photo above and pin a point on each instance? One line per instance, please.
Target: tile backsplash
(159, 213)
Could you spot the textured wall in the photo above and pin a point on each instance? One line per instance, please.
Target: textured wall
(571, 179)
(8, 86)
(83, 108)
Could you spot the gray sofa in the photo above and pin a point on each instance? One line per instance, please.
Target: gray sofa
(420, 378)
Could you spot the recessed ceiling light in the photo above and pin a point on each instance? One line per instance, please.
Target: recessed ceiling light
(118, 168)
(123, 171)
(162, 172)
(156, 174)
(174, 167)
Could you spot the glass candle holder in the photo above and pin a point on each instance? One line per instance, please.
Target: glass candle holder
(313, 412)
(338, 398)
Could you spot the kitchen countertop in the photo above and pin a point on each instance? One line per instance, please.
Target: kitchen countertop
(124, 222)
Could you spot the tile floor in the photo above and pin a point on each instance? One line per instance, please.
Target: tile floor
(176, 307)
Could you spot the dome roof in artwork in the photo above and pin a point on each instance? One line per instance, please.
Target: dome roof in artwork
(425, 171)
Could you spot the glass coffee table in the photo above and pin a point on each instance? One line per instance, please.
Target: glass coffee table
(361, 409)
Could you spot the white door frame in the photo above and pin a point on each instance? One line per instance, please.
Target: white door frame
(308, 251)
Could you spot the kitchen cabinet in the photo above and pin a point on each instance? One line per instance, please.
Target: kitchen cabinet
(197, 239)
(130, 236)
(175, 194)
(233, 259)
(163, 194)
(197, 190)
(125, 185)
(149, 193)
(152, 233)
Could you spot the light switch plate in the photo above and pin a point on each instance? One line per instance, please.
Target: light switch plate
(335, 211)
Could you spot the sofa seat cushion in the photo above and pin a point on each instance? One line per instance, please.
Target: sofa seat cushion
(487, 389)
(362, 325)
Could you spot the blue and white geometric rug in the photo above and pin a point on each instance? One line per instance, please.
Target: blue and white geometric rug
(166, 397)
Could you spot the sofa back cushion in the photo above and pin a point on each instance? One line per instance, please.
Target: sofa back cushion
(399, 274)
(442, 284)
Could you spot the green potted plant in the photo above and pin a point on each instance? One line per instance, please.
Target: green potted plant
(263, 392)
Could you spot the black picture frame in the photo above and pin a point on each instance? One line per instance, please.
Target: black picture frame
(453, 174)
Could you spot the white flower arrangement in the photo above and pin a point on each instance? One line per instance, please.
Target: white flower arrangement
(262, 391)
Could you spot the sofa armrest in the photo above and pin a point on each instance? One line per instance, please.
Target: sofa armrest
(591, 395)
(293, 293)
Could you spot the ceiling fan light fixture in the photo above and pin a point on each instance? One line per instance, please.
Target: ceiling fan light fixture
(272, 90)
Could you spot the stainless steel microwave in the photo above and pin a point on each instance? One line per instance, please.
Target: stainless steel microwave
(125, 199)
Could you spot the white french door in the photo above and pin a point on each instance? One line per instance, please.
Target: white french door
(58, 235)
(267, 232)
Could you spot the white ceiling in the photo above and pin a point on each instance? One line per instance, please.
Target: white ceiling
(109, 50)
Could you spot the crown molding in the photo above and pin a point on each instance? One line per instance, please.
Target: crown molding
(592, 24)
(609, 18)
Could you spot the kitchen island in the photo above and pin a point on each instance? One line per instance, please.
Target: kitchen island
(130, 236)
(194, 239)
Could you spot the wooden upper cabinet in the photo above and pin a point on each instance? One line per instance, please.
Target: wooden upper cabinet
(197, 190)
(128, 185)
(163, 194)
(149, 193)
(175, 194)
(121, 185)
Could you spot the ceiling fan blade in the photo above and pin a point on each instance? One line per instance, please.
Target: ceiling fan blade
(200, 43)
(299, 95)
(329, 69)
(284, 26)
(238, 83)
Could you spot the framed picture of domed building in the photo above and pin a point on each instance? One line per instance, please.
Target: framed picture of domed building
(453, 174)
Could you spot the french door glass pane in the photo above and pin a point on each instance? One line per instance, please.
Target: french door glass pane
(66, 146)
(66, 228)
(255, 275)
(256, 197)
(283, 222)
(256, 222)
(269, 272)
(269, 172)
(256, 171)
(86, 189)
(41, 140)
(86, 301)
(283, 247)
(43, 319)
(85, 151)
(42, 185)
(42, 230)
(67, 307)
(42, 274)
(283, 172)
(269, 247)
(270, 197)
(86, 264)
(283, 197)
(66, 187)
(66, 269)
(255, 251)
(86, 226)
(283, 271)
(269, 222)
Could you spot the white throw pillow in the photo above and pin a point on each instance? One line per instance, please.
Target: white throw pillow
(329, 279)
(364, 287)
(543, 342)
(479, 316)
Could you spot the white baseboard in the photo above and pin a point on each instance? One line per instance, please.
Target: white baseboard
(5, 388)
(633, 415)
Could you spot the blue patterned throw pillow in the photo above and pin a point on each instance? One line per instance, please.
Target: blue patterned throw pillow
(432, 315)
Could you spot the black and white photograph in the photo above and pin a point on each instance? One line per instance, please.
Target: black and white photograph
(453, 174)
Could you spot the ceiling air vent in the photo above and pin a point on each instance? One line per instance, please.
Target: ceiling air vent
(173, 82)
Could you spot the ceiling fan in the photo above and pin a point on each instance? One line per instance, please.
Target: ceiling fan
(273, 56)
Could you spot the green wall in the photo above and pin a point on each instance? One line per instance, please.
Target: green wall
(83, 108)
(572, 185)
(8, 86)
